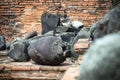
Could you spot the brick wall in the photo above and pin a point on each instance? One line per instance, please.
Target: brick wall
(23, 16)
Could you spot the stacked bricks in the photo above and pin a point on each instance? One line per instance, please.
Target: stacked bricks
(30, 71)
(27, 13)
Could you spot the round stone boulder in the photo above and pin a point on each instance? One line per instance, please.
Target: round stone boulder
(47, 51)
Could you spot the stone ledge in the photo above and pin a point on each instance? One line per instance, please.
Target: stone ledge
(31, 71)
(28, 66)
(82, 44)
(72, 73)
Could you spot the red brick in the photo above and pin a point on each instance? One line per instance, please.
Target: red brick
(35, 68)
(21, 68)
(71, 74)
(52, 75)
(2, 67)
(26, 9)
(58, 68)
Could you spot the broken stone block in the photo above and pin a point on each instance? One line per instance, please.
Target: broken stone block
(18, 51)
(2, 43)
(47, 51)
(49, 22)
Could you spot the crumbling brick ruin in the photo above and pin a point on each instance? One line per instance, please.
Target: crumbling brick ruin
(23, 16)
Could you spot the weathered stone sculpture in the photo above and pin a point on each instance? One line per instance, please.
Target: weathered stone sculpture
(45, 54)
(110, 23)
(102, 60)
(49, 22)
(47, 51)
(18, 51)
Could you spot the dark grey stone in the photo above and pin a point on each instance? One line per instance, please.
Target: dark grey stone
(49, 22)
(2, 43)
(102, 59)
(110, 23)
(47, 51)
(83, 33)
(18, 51)
(31, 35)
(92, 11)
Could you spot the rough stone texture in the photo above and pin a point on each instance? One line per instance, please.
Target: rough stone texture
(114, 3)
(23, 16)
(31, 71)
(49, 22)
(31, 35)
(18, 51)
(108, 24)
(83, 33)
(47, 51)
(2, 43)
(102, 60)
